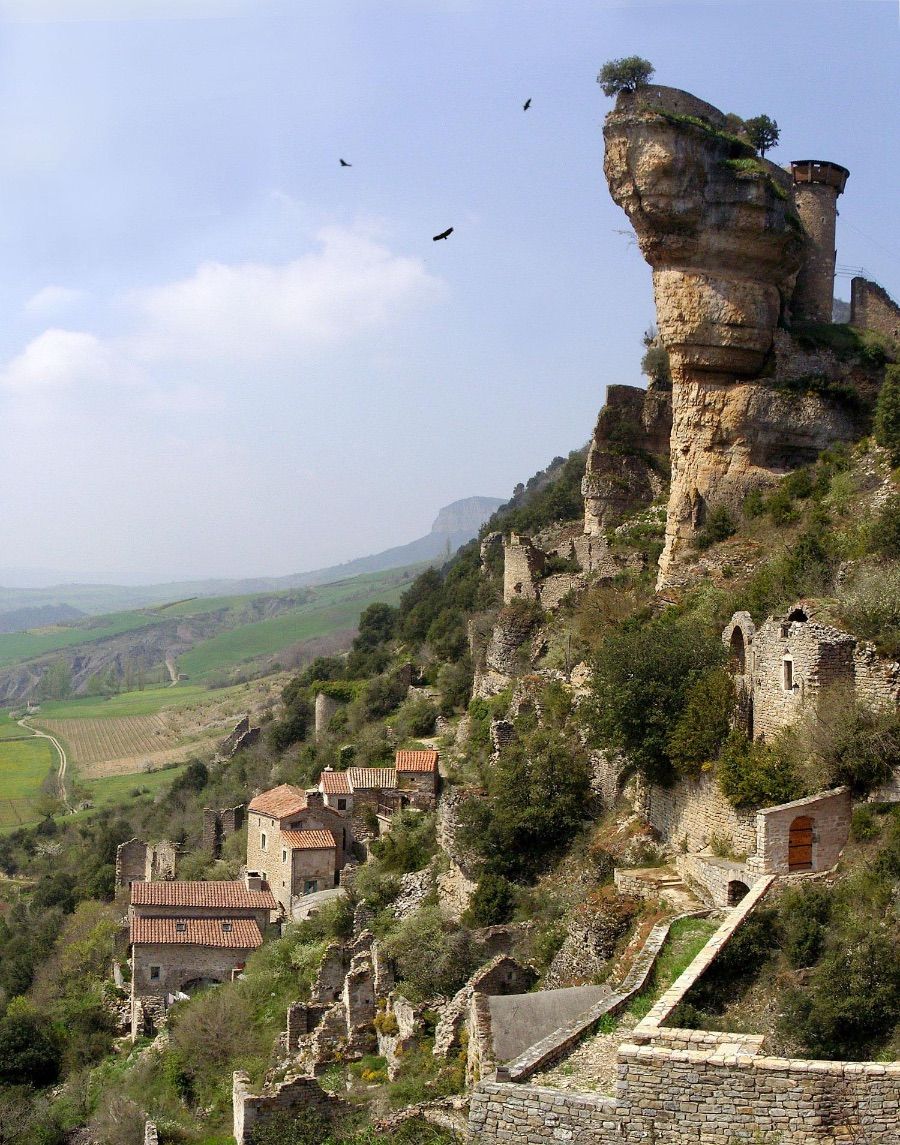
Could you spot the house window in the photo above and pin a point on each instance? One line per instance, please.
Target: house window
(342, 805)
(181, 928)
(284, 856)
(310, 886)
(262, 840)
(154, 973)
(788, 674)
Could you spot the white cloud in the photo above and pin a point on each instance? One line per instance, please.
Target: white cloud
(53, 299)
(58, 360)
(349, 286)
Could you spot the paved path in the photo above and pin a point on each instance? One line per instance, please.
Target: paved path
(63, 762)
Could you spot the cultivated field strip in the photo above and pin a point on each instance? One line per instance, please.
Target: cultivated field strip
(117, 746)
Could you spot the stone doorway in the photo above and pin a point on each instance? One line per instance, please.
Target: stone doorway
(800, 844)
(736, 891)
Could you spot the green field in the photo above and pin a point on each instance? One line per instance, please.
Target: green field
(24, 765)
(334, 608)
(116, 790)
(148, 702)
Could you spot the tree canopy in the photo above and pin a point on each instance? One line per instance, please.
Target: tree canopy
(627, 74)
(763, 132)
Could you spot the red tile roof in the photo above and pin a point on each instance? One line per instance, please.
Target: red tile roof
(308, 840)
(231, 933)
(280, 801)
(369, 778)
(416, 760)
(214, 895)
(334, 782)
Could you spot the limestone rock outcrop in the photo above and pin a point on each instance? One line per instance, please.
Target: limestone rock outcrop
(721, 232)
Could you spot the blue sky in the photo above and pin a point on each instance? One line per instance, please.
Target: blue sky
(224, 354)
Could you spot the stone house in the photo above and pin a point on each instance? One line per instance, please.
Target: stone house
(296, 842)
(137, 862)
(185, 935)
(417, 771)
(335, 786)
(788, 664)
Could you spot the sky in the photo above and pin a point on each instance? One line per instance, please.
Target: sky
(224, 354)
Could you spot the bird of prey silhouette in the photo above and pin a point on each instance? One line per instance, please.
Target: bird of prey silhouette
(344, 163)
(443, 235)
(526, 104)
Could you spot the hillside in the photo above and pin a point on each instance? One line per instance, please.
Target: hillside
(593, 832)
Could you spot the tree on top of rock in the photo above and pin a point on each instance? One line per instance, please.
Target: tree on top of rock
(762, 132)
(627, 74)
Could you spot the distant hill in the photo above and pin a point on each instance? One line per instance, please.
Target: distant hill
(39, 616)
(454, 525)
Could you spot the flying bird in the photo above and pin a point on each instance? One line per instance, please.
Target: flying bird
(443, 235)
(526, 104)
(344, 163)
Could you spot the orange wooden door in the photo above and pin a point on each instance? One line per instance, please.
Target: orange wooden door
(800, 841)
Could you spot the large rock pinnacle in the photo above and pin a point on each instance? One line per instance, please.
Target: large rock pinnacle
(719, 228)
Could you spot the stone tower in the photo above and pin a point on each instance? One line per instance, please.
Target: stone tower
(816, 188)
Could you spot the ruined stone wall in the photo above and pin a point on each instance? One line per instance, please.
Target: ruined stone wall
(872, 308)
(251, 1109)
(131, 863)
(523, 565)
(695, 810)
(326, 706)
(830, 813)
(219, 823)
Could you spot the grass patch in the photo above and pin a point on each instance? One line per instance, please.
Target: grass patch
(24, 766)
(685, 940)
(116, 790)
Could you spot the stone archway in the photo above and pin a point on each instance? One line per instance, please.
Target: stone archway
(736, 891)
(800, 844)
(738, 652)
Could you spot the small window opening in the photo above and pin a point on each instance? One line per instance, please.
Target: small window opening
(284, 856)
(342, 805)
(788, 678)
(227, 927)
(154, 973)
(180, 927)
(262, 840)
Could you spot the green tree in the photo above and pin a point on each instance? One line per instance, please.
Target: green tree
(492, 902)
(756, 774)
(29, 1047)
(762, 132)
(887, 414)
(627, 74)
(642, 676)
(704, 724)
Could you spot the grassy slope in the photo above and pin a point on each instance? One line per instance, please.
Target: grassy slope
(24, 765)
(334, 608)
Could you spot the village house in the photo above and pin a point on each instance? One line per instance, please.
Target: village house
(417, 771)
(297, 841)
(186, 935)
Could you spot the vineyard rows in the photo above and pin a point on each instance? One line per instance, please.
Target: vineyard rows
(113, 746)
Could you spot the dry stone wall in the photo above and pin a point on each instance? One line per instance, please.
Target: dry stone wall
(872, 308)
(695, 810)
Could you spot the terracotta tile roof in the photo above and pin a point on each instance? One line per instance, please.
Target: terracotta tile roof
(416, 761)
(308, 840)
(231, 933)
(334, 782)
(214, 895)
(280, 801)
(368, 778)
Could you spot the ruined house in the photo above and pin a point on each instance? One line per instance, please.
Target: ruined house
(789, 664)
(138, 862)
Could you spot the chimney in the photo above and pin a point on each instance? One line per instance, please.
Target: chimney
(253, 881)
(314, 799)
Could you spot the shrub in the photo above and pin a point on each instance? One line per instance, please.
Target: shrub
(856, 745)
(455, 685)
(719, 526)
(887, 414)
(29, 1047)
(384, 694)
(492, 902)
(870, 604)
(864, 824)
(886, 529)
(409, 844)
(756, 774)
(805, 913)
(430, 958)
(415, 718)
(640, 683)
(627, 74)
(704, 724)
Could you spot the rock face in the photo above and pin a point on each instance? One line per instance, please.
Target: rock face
(720, 229)
(628, 458)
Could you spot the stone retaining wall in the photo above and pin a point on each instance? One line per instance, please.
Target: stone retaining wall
(694, 810)
(525, 1115)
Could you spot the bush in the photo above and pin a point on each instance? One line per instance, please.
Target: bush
(719, 526)
(856, 745)
(384, 695)
(870, 604)
(704, 724)
(886, 529)
(455, 685)
(641, 679)
(29, 1047)
(756, 774)
(627, 74)
(492, 902)
(805, 913)
(410, 843)
(415, 718)
(887, 414)
(430, 958)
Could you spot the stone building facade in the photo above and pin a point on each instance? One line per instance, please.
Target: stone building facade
(296, 842)
(791, 663)
(137, 862)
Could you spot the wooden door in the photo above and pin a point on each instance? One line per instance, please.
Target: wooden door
(800, 843)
